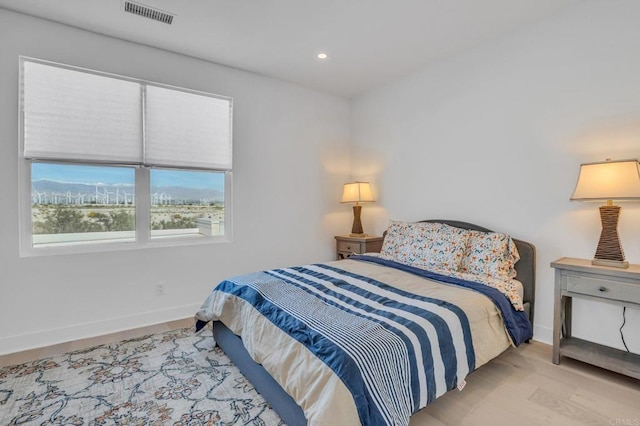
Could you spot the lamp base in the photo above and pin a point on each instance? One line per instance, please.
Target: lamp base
(609, 251)
(611, 263)
(356, 229)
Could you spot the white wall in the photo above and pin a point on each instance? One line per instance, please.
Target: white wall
(496, 136)
(290, 160)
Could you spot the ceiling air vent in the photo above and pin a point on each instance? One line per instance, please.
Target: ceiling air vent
(148, 12)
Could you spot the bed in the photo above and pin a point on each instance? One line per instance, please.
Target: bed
(409, 333)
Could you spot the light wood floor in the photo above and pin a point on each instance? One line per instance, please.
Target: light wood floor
(523, 387)
(520, 387)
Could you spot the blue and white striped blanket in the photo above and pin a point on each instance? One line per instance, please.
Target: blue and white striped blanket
(395, 351)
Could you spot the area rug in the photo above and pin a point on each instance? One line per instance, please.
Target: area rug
(171, 378)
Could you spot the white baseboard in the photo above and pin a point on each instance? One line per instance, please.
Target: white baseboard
(543, 334)
(54, 336)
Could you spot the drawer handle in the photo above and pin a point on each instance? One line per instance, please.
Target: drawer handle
(602, 288)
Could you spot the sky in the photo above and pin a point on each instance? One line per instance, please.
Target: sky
(124, 175)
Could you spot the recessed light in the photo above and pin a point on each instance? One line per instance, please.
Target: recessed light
(322, 56)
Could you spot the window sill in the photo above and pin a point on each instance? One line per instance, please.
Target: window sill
(74, 243)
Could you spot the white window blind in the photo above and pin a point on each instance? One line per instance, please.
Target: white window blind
(73, 115)
(187, 130)
(91, 117)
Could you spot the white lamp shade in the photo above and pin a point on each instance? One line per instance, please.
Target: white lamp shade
(610, 180)
(357, 192)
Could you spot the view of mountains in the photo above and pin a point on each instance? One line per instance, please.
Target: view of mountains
(88, 192)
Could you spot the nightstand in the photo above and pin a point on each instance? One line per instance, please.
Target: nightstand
(346, 245)
(579, 278)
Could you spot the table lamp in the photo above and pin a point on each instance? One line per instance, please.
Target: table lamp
(608, 181)
(357, 192)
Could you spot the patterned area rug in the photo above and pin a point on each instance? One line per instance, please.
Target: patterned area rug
(172, 378)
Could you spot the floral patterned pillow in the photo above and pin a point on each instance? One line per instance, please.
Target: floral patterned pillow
(400, 238)
(490, 254)
(426, 245)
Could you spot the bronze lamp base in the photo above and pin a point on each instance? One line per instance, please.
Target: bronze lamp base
(356, 229)
(609, 251)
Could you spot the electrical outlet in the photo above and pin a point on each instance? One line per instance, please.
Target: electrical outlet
(160, 289)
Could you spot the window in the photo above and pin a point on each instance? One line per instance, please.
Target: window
(107, 159)
(186, 201)
(73, 204)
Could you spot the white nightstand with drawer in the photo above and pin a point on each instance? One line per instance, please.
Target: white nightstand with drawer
(579, 278)
(347, 245)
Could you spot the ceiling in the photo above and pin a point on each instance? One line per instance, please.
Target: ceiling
(369, 42)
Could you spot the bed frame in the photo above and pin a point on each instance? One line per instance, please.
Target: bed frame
(284, 405)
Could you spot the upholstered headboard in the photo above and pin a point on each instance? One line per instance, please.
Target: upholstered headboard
(526, 266)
